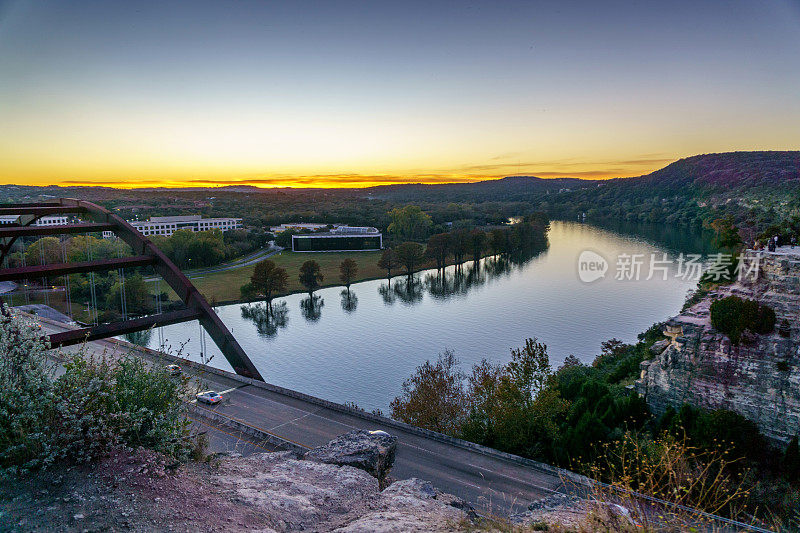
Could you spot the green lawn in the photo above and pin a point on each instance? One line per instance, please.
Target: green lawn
(224, 286)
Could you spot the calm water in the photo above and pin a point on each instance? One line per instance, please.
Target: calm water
(360, 348)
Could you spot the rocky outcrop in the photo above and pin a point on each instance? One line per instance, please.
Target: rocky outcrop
(414, 505)
(268, 492)
(759, 378)
(372, 452)
(309, 495)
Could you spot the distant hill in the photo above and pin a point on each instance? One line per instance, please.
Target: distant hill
(691, 175)
(756, 188)
(500, 189)
(724, 170)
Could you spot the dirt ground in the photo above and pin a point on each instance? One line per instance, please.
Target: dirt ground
(126, 491)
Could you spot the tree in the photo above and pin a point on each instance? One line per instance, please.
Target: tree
(388, 262)
(284, 238)
(477, 243)
(310, 276)
(529, 368)
(433, 398)
(460, 244)
(347, 271)
(498, 241)
(137, 295)
(726, 233)
(512, 407)
(268, 279)
(409, 222)
(43, 251)
(410, 254)
(438, 249)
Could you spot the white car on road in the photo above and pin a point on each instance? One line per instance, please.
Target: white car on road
(210, 397)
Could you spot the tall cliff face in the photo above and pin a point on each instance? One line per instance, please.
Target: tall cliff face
(759, 378)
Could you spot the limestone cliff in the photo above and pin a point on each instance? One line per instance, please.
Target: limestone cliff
(759, 378)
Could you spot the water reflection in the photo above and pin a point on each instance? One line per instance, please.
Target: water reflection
(311, 308)
(268, 319)
(456, 280)
(386, 292)
(409, 290)
(675, 238)
(349, 300)
(140, 338)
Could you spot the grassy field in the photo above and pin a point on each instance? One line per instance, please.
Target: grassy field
(224, 286)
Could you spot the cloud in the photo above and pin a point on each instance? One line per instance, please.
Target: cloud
(558, 168)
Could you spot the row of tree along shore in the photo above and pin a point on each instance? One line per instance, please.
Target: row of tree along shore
(442, 249)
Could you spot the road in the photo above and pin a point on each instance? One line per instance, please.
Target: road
(247, 260)
(491, 484)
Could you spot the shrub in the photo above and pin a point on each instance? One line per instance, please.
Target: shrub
(28, 406)
(706, 429)
(95, 404)
(671, 469)
(734, 315)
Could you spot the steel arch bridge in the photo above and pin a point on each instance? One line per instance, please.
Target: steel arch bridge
(145, 253)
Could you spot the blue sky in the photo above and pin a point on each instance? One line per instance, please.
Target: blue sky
(349, 93)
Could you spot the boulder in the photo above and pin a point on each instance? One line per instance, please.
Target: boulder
(659, 346)
(371, 452)
(414, 505)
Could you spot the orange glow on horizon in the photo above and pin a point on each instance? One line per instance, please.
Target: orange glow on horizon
(308, 182)
(337, 181)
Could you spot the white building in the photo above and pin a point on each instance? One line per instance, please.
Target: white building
(166, 226)
(299, 226)
(44, 221)
(52, 221)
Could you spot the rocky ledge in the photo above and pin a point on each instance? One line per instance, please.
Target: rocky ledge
(371, 451)
(140, 491)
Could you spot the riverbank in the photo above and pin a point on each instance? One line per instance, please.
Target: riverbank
(222, 288)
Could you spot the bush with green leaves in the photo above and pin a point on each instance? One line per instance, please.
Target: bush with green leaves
(733, 316)
(95, 404)
(27, 411)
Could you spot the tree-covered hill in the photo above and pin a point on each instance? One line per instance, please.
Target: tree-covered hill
(508, 188)
(759, 189)
(727, 170)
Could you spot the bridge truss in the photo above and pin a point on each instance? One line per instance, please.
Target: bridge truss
(145, 253)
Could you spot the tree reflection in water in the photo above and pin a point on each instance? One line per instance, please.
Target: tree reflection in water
(409, 290)
(456, 280)
(387, 295)
(140, 338)
(268, 319)
(311, 308)
(445, 284)
(349, 301)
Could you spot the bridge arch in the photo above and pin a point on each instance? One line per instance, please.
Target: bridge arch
(145, 253)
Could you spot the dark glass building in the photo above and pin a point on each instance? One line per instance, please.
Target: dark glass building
(343, 238)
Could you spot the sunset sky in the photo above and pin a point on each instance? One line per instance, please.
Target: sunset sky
(336, 93)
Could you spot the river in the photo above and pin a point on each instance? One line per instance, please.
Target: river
(360, 347)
